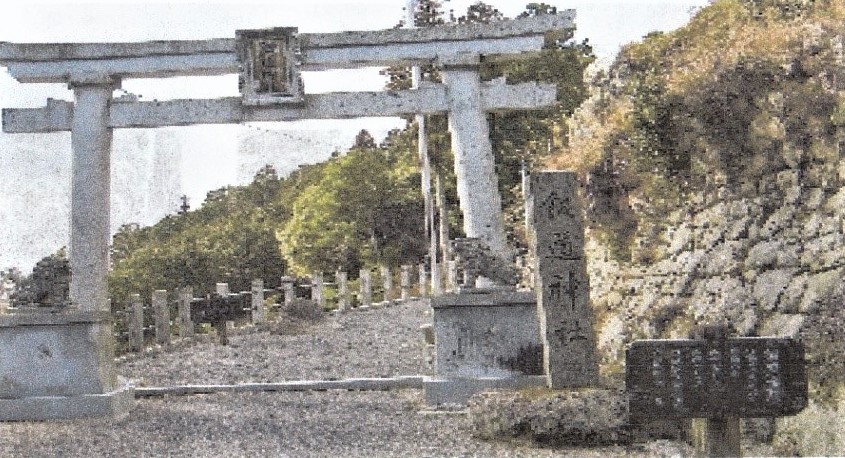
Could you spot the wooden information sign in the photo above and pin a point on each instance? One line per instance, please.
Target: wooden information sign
(736, 377)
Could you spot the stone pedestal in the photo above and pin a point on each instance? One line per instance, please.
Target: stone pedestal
(485, 339)
(59, 365)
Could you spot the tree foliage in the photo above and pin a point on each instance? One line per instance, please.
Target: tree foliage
(364, 210)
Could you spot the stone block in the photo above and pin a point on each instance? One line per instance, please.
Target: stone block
(561, 283)
(487, 334)
(59, 366)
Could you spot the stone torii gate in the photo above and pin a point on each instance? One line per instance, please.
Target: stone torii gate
(80, 378)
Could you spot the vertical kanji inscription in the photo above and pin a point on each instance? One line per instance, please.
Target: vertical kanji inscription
(562, 286)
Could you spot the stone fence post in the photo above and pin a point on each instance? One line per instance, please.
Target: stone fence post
(387, 282)
(287, 284)
(423, 281)
(317, 289)
(257, 301)
(405, 282)
(162, 317)
(136, 323)
(186, 326)
(343, 300)
(366, 287)
(453, 275)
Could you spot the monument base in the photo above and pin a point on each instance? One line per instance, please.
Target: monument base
(59, 364)
(482, 333)
(441, 391)
(485, 339)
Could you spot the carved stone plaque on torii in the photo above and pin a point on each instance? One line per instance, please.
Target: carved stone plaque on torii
(269, 62)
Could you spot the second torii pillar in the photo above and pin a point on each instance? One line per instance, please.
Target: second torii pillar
(478, 187)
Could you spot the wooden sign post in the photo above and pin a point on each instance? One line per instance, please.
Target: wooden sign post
(721, 380)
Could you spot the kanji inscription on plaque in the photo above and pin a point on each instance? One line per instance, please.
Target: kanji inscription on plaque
(270, 62)
(739, 377)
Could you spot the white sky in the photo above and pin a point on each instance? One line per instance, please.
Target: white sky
(209, 151)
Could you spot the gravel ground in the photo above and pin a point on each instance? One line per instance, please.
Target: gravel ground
(376, 343)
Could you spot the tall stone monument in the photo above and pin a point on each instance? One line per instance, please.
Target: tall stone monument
(561, 283)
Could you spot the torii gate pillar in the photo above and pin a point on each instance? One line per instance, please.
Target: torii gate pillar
(91, 138)
(61, 365)
(477, 185)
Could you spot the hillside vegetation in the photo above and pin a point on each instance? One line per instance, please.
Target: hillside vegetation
(747, 89)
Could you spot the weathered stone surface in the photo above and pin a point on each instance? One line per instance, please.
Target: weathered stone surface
(58, 365)
(487, 335)
(772, 253)
(477, 260)
(561, 282)
(791, 297)
(366, 289)
(782, 325)
(186, 324)
(820, 288)
(477, 187)
(724, 258)
(91, 140)
(586, 417)
(56, 116)
(779, 219)
(161, 311)
(770, 285)
(813, 198)
(821, 252)
(258, 302)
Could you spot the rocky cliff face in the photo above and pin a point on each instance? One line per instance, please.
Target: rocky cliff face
(769, 265)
